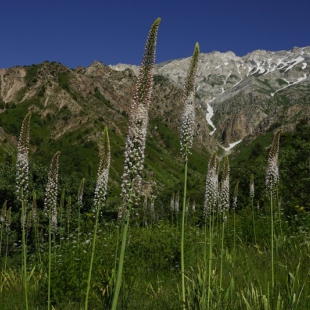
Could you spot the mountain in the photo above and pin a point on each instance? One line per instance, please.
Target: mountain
(238, 99)
(70, 109)
(243, 97)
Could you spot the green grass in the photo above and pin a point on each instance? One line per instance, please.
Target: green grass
(281, 82)
(151, 270)
(244, 151)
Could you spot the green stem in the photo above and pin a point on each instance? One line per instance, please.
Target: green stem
(117, 245)
(234, 231)
(61, 228)
(222, 250)
(92, 258)
(122, 252)
(279, 212)
(79, 220)
(37, 242)
(272, 242)
(49, 261)
(1, 234)
(6, 250)
(211, 222)
(183, 228)
(253, 217)
(24, 252)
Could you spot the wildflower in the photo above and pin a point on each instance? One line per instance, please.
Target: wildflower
(235, 195)
(188, 117)
(194, 206)
(8, 220)
(80, 193)
(172, 203)
(3, 213)
(152, 207)
(29, 220)
(272, 172)
(138, 121)
(50, 200)
(224, 193)
(188, 122)
(252, 186)
(22, 164)
(211, 194)
(103, 172)
(187, 205)
(68, 211)
(177, 202)
(34, 209)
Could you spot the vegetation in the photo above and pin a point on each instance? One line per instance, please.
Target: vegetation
(152, 261)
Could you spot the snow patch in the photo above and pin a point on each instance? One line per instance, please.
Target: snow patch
(209, 115)
(290, 84)
(296, 61)
(231, 145)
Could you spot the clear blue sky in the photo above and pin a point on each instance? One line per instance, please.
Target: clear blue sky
(76, 32)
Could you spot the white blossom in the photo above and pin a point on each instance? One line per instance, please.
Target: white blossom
(187, 124)
(22, 162)
(224, 194)
(137, 129)
(103, 172)
(252, 186)
(211, 194)
(272, 172)
(50, 202)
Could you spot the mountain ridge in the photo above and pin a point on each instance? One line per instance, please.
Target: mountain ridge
(263, 76)
(237, 98)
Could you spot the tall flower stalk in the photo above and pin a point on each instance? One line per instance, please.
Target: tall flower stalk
(272, 180)
(187, 134)
(22, 179)
(68, 215)
(80, 202)
(252, 192)
(61, 209)
(22, 160)
(2, 223)
(224, 207)
(50, 210)
(135, 144)
(100, 196)
(8, 229)
(234, 204)
(35, 220)
(211, 199)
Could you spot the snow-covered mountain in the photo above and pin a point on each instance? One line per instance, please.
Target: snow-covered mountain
(242, 96)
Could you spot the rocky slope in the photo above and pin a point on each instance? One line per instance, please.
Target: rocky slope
(243, 97)
(85, 94)
(237, 98)
(71, 107)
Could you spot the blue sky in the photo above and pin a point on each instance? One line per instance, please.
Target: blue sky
(76, 32)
